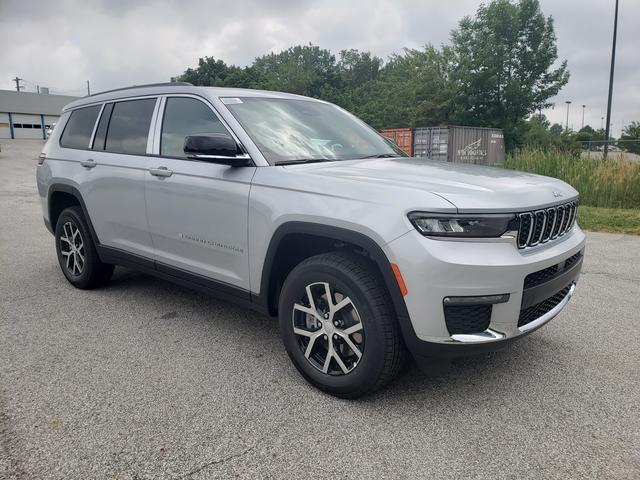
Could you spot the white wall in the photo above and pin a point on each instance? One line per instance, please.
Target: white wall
(5, 132)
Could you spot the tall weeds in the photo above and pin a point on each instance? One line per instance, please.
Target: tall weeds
(608, 183)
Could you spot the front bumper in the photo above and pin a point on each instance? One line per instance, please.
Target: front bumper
(434, 269)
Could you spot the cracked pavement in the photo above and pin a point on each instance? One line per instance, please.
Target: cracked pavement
(147, 380)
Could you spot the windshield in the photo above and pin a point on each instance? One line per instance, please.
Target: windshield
(292, 131)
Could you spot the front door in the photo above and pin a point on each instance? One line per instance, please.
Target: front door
(197, 210)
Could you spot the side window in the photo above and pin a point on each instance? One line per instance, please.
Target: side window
(129, 126)
(77, 132)
(185, 116)
(101, 131)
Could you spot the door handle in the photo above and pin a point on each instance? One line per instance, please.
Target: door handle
(161, 172)
(90, 163)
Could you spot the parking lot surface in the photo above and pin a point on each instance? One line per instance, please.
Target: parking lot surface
(144, 379)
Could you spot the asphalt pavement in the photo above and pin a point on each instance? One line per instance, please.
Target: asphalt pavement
(147, 380)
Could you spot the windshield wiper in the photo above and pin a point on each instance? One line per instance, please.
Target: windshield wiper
(303, 160)
(382, 155)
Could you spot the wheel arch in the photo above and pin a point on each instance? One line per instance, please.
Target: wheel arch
(61, 196)
(269, 288)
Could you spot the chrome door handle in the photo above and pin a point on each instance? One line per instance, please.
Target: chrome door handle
(161, 172)
(88, 163)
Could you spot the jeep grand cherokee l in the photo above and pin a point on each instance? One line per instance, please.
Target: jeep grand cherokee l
(296, 208)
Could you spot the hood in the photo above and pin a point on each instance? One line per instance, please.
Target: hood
(470, 188)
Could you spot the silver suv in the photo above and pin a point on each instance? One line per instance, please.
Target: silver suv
(296, 208)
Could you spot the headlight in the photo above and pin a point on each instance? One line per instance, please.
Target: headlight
(470, 226)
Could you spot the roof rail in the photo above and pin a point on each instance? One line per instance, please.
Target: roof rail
(162, 84)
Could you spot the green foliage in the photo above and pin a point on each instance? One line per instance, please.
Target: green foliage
(496, 73)
(631, 132)
(613, 220)
(503, 60)
(611, 183)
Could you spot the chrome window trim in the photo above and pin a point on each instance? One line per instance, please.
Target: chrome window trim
(95, 126)
(152, 127)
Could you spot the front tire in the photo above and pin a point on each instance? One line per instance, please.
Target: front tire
(338, 325)
(77, 253)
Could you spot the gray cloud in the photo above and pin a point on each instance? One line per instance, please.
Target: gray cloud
(119, 42)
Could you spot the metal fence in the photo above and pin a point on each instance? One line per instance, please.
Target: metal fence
(623, 149)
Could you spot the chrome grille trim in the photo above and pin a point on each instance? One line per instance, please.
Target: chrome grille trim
(525, 218)
(541, 226)
(550, 225)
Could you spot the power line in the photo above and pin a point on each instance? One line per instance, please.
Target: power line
(37, 85)
(17, 80)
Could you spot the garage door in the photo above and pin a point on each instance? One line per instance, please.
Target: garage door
(5, 132)
(27, 126)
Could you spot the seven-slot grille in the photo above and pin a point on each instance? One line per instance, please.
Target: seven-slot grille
(540, 226)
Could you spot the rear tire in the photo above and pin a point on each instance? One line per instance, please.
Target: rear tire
(357, 316)
(77, 253)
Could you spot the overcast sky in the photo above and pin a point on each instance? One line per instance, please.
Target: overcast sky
(60, 44)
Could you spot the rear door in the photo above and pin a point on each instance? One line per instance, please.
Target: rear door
(115, 168)
(197, 210)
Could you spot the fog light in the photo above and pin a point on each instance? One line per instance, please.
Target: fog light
(477, 300)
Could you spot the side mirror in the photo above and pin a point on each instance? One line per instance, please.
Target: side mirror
(216, 148)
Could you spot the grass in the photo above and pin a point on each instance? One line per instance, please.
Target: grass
(608, 184)
(613, 220)
(609, 190)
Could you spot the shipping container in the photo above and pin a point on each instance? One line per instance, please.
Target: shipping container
(402, 136)
(481, 146)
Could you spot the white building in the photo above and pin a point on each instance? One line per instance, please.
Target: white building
(25, 114)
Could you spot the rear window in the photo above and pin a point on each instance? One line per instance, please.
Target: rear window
(129, 126)
(77, 133)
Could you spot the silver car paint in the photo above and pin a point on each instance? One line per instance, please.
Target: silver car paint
(217, 221)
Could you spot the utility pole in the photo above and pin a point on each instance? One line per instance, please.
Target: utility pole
(613, 63)
(17, 80)
(566, 126)
(88, 88)
(583, 107)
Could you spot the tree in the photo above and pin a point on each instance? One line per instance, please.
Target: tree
(503, 60)
(412, 90)
(556, 128)
(214, 73)
(631, 132)
(306, 70)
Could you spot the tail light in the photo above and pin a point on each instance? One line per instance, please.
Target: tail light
(41, 158)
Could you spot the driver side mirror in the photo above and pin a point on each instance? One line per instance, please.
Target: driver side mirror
(215, 148)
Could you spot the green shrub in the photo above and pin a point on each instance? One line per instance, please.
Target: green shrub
(601, 183)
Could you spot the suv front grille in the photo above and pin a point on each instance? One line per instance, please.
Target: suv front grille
(534, 312)
(540, 226)
(467, 319)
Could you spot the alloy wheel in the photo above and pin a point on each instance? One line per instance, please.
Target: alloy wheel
(72, 248)
(329, 330)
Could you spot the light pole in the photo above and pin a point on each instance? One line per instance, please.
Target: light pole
(583, 107)
(566, 127)
(601, 123)
(613, 63)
